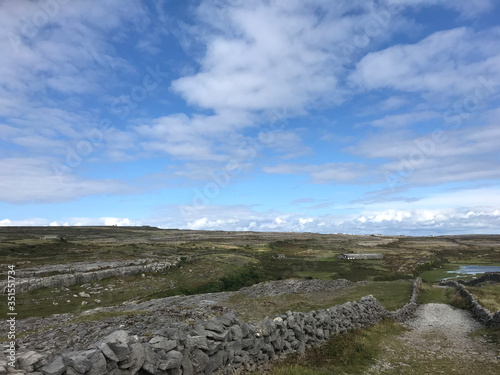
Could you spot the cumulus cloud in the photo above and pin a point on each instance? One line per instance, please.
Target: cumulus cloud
(447, 63)
(261, 56)
(75, 221)
(23, 222)
(410, 220)
(194, 138)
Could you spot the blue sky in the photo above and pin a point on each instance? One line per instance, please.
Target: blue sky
(335, 117)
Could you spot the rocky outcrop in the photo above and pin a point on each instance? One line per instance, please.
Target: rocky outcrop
(223, 345)
(76, 267)
(483, 315)
(67, 279)
(293, 286)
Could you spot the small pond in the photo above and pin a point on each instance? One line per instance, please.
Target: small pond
(474, 270)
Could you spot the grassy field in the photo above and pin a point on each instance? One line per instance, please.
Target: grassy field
(391, 294)
(436, 294)
(488, 296)
(218, 261)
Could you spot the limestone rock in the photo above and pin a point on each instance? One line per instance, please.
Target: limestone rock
(56, 367)
(173, 361)
(150, 360)
(136, 358)
(197, 342)
(159, 342)
(117, 342)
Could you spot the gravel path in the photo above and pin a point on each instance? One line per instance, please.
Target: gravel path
(439, 342)
(443, 318)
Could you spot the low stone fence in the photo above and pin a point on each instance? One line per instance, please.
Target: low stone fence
(67, 279)
(222, 345)
(408, 310)
(487, 277)
(483, 315)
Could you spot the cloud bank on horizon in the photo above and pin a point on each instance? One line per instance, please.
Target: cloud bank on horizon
(354, 116)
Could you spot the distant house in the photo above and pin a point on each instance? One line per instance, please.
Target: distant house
(52, 237)
(360, 256)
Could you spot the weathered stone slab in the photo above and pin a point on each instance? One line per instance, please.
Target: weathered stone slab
(160, 342)
(56, 367)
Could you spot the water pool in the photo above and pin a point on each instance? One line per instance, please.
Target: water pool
(474, 270)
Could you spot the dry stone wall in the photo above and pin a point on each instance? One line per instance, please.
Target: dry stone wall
(483, 315)
(408, 310)
(487, 277)
(222, 345)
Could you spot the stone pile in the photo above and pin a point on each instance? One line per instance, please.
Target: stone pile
(274, 288)
(224, 344)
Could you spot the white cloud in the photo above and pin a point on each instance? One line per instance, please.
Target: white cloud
(447, 63)
(23, 222)
(303, 221)
(325, 173)
(404, 119)
(110, 221)
(61, 49)
(445, 155)
(267, 55)
(76, 221)
(393, 102)
(25, 180)
(194, 138)
(466, 8)
(55, 53)
(389, 215)
(206, 224)
(436, 219)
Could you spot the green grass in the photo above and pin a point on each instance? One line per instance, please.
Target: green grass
(391, 294)
(350, 353)
(431, 294)
(191, 278)
(435, 275)
(491, 335)
(220, 258)
(488, 296)
(317, 275)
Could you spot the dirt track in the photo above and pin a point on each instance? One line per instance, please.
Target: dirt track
(439, 342)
